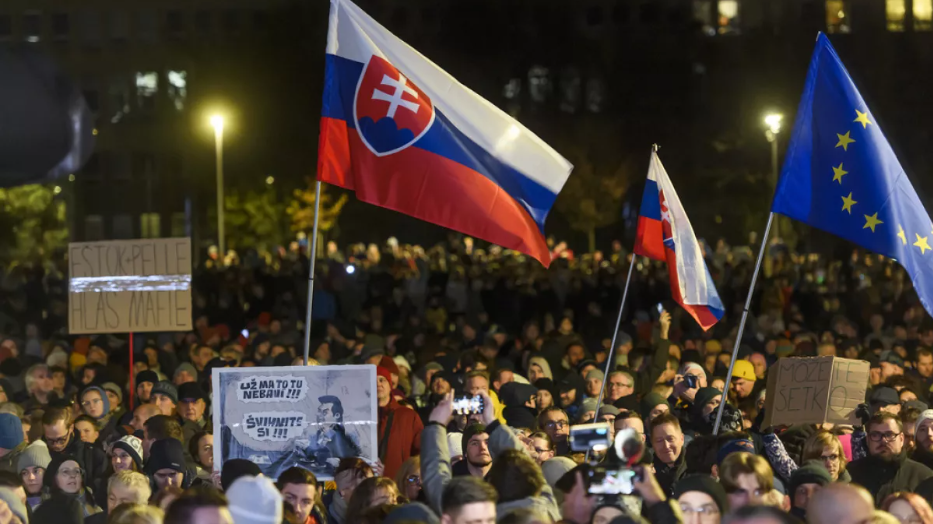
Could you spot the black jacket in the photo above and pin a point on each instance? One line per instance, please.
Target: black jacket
(669, 475)
(883, 478)
(92, 458)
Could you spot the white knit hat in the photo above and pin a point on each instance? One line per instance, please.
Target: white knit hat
(924, 415)
(255, 500)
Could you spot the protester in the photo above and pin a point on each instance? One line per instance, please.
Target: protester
(887, 469)
(32, 464)
(254, 500)
(299, 488)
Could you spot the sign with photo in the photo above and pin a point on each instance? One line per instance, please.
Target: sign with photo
(280, 417)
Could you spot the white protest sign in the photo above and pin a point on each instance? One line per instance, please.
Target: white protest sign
(814, 390)
(309, 416)
(125, 286)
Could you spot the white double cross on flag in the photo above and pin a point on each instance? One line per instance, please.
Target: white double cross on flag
(395, 99)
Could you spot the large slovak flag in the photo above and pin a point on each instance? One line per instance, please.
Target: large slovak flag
(665, 233)
(405, 135)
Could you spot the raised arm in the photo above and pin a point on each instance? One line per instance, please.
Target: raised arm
(435, 455)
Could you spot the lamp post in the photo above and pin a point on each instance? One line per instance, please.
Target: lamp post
(217, 121)
(773, 122)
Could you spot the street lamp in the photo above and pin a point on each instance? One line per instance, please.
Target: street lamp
(773, 122)
(217, 122)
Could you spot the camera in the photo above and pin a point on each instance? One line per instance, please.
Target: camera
(468, 405)
(585, 437)
(691, 381)
(616, 474)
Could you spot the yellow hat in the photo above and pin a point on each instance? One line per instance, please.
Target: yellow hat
(743, 369)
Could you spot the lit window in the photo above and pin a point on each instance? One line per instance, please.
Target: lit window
(178, 88)
(539, 83)
(728, 17)
(150, 225)
(147, 86)
(923, 15)
(32, 26)
(894, 11)
(703, 14)
(179, 225)
(837, 19)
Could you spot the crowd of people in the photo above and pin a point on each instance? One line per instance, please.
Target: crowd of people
(80, 442)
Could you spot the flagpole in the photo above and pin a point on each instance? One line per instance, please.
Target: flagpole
(738, 336)
(317, 208)
(615, 336)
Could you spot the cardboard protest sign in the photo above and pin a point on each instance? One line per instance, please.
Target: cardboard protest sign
(814, 390)
(126, 286)
(280, 417)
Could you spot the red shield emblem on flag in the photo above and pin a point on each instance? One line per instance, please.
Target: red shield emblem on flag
(391, 112)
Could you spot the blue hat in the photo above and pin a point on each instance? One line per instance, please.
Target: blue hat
(11, 431)
(734, 446)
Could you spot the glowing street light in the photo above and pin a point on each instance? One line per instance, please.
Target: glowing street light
(217, 122)
(774, 121)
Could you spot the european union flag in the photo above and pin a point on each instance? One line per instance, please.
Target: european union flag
(841, 176)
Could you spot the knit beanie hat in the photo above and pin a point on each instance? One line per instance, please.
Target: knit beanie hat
(468, 432)
(234, 469)
(586, 406)
(35, 454)
(812, 472)
(164, 387)
(11, 431)
(115, 389)
(651, 401)
(147, 376)
(924, 415)
(16, 505)
(255, 500)
(703, 397)
(133, 446)
(627, 403)
(185, 366)
(595, 374)
(389, 364)
(166, 453)
(555, 468)
(734, 446)
(703, 484)
(384, 373)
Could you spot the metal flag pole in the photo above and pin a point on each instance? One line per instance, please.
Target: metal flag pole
(615, 335)
(738, 336)
(317, 208)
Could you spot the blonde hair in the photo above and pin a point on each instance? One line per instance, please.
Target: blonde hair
(738, 463)
(133, 481)
(137, 514)
(813, 448)
(412, 466)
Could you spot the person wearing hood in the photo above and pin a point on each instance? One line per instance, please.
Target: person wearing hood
(12, 442)
(519, 401)
(538, 367)
(96, 404)
(652, 405)
(572, 390)
(703, 410)
(63, 478)
(32, 464)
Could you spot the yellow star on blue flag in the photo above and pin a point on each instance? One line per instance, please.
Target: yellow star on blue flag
(834, 127)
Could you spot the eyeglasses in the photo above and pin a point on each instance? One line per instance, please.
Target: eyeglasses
(888, 436)
(70, 473)
(704, 512)
(557, 424)
(413, 479)
(61, 441)
(829, 458)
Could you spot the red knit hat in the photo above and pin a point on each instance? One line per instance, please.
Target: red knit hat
(389, 364)
(383, 372)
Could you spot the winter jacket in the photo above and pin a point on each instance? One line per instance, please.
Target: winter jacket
(645, 380)
(883, 478)
(669, 475)
(404, 438)
(436, 472)
(92, 459)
